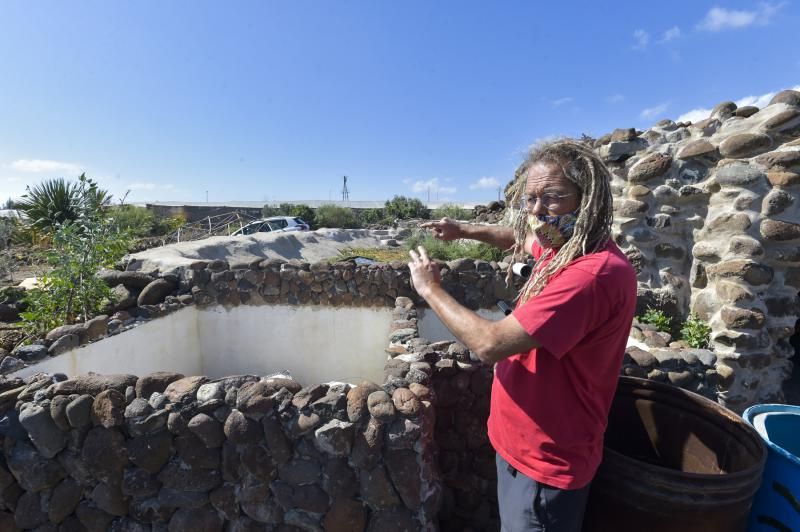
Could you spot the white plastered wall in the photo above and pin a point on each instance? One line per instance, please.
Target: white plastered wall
(314, 344)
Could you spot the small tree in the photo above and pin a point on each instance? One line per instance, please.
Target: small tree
(451, 210)
(335, 216)
(305, 213)
(137, 221)
(72, 289)
(402, 208)
(371, 216)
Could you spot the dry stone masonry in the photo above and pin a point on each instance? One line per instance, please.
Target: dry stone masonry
(169, 452)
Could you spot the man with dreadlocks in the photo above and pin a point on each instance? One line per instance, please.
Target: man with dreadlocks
(557, 356)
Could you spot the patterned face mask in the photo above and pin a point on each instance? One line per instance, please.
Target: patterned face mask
(552, 231)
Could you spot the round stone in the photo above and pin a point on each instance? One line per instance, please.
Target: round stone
(733, 222)
(745, 145)
(208, 429)
(380, 406)
(739, 318)
(776, 202)
(697, 148)
(746, 111)
(738, 174)
(783, 179)
(723, 110)
(787, 119)
(779, 231)
(745, 270)
(406, 402)
(789, 97)
(649, 167)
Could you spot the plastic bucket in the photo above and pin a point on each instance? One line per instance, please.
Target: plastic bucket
(673, 461)
(776, 506)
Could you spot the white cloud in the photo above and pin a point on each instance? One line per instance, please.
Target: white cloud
(671, 34)
(642, 39)
(719, 18)
(760, 101)
(616, 98)
(561, 101)
(485, 182)
(695, 115)
(42, 165)
(653, 112)
(151, 186)
(432, 185)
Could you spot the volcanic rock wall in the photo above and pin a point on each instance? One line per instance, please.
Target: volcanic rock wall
(708, 214)
(245, 453)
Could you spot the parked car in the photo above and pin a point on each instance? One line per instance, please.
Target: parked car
(273, 224)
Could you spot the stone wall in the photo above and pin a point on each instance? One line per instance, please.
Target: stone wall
(708, 214)
(168, 452)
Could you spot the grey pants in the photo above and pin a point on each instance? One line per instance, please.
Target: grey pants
(527, 505)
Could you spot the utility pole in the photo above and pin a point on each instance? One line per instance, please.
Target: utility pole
(498, 193)
(345, 192)
(206, 196)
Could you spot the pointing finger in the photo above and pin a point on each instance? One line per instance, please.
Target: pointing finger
(423, 254)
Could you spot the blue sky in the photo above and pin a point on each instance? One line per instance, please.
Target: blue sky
(272, 101)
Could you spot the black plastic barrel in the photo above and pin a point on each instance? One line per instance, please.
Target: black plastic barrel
(673, 461)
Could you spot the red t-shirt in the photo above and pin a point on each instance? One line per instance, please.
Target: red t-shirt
(550, 406)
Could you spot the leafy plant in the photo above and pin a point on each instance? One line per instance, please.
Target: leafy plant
(452, 211)
(402, 208)
(335, 216)
(456, 249)
(371, 216)
(54, 202)
(80, 247)
(696, 332)
(658, 318)
(168, 225)
(137, 221)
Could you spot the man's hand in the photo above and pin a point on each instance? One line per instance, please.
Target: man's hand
(424, 272)
(444, 229)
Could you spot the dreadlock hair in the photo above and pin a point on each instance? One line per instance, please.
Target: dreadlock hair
(587, 171)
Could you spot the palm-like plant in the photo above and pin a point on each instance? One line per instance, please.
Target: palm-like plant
(54, 202)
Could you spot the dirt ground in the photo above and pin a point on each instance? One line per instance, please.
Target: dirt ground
(24, 262)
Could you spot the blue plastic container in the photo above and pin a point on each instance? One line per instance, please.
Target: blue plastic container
(776, 506)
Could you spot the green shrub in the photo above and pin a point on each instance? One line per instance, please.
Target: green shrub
(456, 249)
(371, 216)
(452, 211)
(54, 202)
(695, 332)
(658, 318)
(137, 221)
(403, 208)
(167, 226)
(72, 289)
(335, 216)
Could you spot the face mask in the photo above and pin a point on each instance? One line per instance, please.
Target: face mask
(552, 231)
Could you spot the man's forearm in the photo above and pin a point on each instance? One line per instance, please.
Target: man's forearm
(495, 235)
(469, 328)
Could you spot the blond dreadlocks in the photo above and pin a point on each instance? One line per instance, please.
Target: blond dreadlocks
(586, 170)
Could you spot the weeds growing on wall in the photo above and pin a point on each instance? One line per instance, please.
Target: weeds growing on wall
(695, 332)
(658, 318)
(72, 291)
